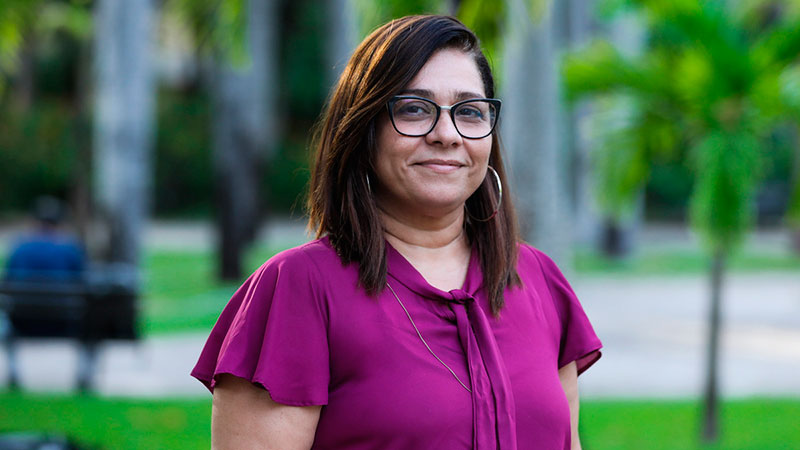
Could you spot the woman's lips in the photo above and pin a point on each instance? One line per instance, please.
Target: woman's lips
(441, 166)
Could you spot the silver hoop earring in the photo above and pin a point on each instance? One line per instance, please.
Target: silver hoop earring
(369, 186)
(499, 197)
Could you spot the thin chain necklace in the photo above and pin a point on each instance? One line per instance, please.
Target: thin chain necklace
(423, 339)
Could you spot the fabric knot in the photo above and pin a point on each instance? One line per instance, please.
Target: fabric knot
(460, 297)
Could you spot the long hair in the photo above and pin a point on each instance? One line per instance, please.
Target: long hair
(340, 203)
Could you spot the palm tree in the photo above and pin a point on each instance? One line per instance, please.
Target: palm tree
(707, 89)
(125, 97)
(532, 110)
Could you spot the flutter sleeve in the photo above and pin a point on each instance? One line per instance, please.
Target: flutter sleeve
(273, 332)
(578, 340)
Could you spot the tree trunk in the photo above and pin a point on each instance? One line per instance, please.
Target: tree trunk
(575, 25)
(244, 131)
(82, 191)
(793, 212)
(342, 36)
(530, 129)
(125, 95)
(711, 390)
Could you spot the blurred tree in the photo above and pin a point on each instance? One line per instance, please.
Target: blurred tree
(44, 58)
(342, 37)
(245, 129)
(707, 88)
(16, 19)
(373, 13)
(531, 125)
(125, 98)
(241, 37)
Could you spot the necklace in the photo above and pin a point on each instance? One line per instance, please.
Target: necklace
(423, 339)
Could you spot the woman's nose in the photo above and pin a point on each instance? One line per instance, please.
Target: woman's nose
(444, 132)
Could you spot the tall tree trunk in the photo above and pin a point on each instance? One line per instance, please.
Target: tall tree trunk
(25, 89)
(711, 389)
(794, 196)
(244, 132)
(125, 95)
(342, 36)
(575, 29)
(530, 128)
(82, 191)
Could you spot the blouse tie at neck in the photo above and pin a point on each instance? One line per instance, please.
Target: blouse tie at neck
(492, 400)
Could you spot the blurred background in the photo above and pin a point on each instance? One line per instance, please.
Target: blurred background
(153, 153)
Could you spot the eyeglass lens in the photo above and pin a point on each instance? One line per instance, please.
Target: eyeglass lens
(417, 117)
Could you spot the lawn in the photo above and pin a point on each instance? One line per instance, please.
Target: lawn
(108, 423)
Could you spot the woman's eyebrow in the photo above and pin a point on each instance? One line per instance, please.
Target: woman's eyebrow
(461, 95)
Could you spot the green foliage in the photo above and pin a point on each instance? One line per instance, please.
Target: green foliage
(220, 27)
(487, 20)
(38, 151)
(302, 59)
(15, 18)
(73, 17)
(20, 18)
(375, 13)
(287, 177)
(727, 170)
(183, 172)
(711, 83)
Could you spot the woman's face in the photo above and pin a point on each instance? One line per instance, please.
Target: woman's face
(434, 174)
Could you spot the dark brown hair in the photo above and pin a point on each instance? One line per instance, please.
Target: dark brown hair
(340, 203)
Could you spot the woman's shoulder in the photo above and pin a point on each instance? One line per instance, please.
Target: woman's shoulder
(318, 252)
(315, 260)
(531, 257)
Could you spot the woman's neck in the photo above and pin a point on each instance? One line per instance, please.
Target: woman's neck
(438, 249)
(424, 233)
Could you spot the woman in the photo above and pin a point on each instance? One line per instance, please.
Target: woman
(416, 319)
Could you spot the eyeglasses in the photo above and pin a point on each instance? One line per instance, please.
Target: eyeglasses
(417, 116)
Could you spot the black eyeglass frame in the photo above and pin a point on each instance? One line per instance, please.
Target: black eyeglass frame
(493, 101)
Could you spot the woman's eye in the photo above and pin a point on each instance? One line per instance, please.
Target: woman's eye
(470, 112)
(413, 109)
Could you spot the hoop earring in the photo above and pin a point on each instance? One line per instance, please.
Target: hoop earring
(499, 201)
(369, 186)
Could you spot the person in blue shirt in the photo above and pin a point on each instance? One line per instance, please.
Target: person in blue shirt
(46, 254)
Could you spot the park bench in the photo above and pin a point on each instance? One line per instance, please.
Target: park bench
(101, 306)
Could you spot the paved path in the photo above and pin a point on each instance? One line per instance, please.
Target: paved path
(653, 330)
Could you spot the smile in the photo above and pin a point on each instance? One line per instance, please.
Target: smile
(440, 165)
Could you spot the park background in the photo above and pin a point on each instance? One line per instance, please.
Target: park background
(654, 154)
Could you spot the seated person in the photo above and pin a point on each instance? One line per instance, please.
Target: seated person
(46, 254)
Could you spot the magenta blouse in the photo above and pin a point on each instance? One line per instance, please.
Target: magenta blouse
(301, 328)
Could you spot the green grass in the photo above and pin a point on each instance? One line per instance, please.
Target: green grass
(681, 262)
(752, 424)
(108, 423)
